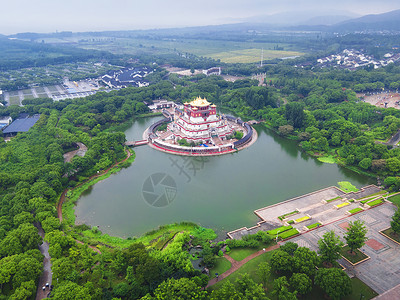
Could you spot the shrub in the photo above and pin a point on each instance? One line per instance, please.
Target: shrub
(220, 253)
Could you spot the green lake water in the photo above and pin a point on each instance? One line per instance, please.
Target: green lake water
(217, 192)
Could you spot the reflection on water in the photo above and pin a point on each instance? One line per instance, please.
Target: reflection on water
(220, 193)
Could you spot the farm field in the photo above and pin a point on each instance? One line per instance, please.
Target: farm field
(226, 51)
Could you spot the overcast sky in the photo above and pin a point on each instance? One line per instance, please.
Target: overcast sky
(85, 15)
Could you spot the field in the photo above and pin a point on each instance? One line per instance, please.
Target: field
(226, 51)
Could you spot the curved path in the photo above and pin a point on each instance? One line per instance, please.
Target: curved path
(237, 264)
(64, 193)
(46, 276)
(80, 151)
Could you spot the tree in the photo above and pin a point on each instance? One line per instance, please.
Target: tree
(335, 282)
(301, 282)
(355, 235)
(24, 291)
(395, 223)
(289, 247)
(366, 163)
(183, 288)
(71, 291)
(281, 261)
(329, 247)
(305, 261)
(264, 271)
(295, 114)
(227, 291)
(285, 129)
(281, 289)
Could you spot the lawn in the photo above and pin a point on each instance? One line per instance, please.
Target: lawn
(316, 294)
(251, 55)
(391, 234)
(347, 187)
(360, 289)
(241, 253)
(359, 256)
(251, 269)
(221, 266)
(327, 159)
(395, 199)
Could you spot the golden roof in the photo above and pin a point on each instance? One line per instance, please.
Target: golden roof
(199, 102)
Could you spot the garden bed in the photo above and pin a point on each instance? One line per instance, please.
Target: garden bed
(279, 230)
(390, 234)
(342, 205)
(315, 225)
(355, 258)
(333, 199)
(302, 219)
(289, 233)
(355, 210)
(282, 217)
(375, 202)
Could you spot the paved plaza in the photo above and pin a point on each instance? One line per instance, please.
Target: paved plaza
(320, 207)
(382, 271)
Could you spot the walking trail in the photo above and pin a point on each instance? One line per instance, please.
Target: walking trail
(237, 264)
(46, 275)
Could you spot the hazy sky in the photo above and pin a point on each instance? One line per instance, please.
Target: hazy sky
(84, 15)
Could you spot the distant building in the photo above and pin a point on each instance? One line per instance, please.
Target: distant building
(5, 121)
(21, 125)
(127, 77)
(213, 71)
(160, 104)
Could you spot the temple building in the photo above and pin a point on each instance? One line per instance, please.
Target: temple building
(199, 123)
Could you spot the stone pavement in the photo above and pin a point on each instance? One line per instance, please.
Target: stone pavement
(314, 205)
(382, 271)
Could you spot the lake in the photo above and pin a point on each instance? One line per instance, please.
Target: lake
(216, 192)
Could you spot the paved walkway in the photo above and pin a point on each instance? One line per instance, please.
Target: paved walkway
(80, 152)
(46, 276)
(237, 264)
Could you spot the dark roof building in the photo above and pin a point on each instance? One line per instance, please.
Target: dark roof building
(21, 125)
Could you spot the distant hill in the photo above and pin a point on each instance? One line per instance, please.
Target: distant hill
(385, 21)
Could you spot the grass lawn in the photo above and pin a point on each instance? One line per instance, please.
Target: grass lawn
(327, 159)
(251, 269)
(316, 294)
(221, 266)
(347, 187)
(241, 253)
(395, 200)
(360, 288)
(390, 233)
(359, 256)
